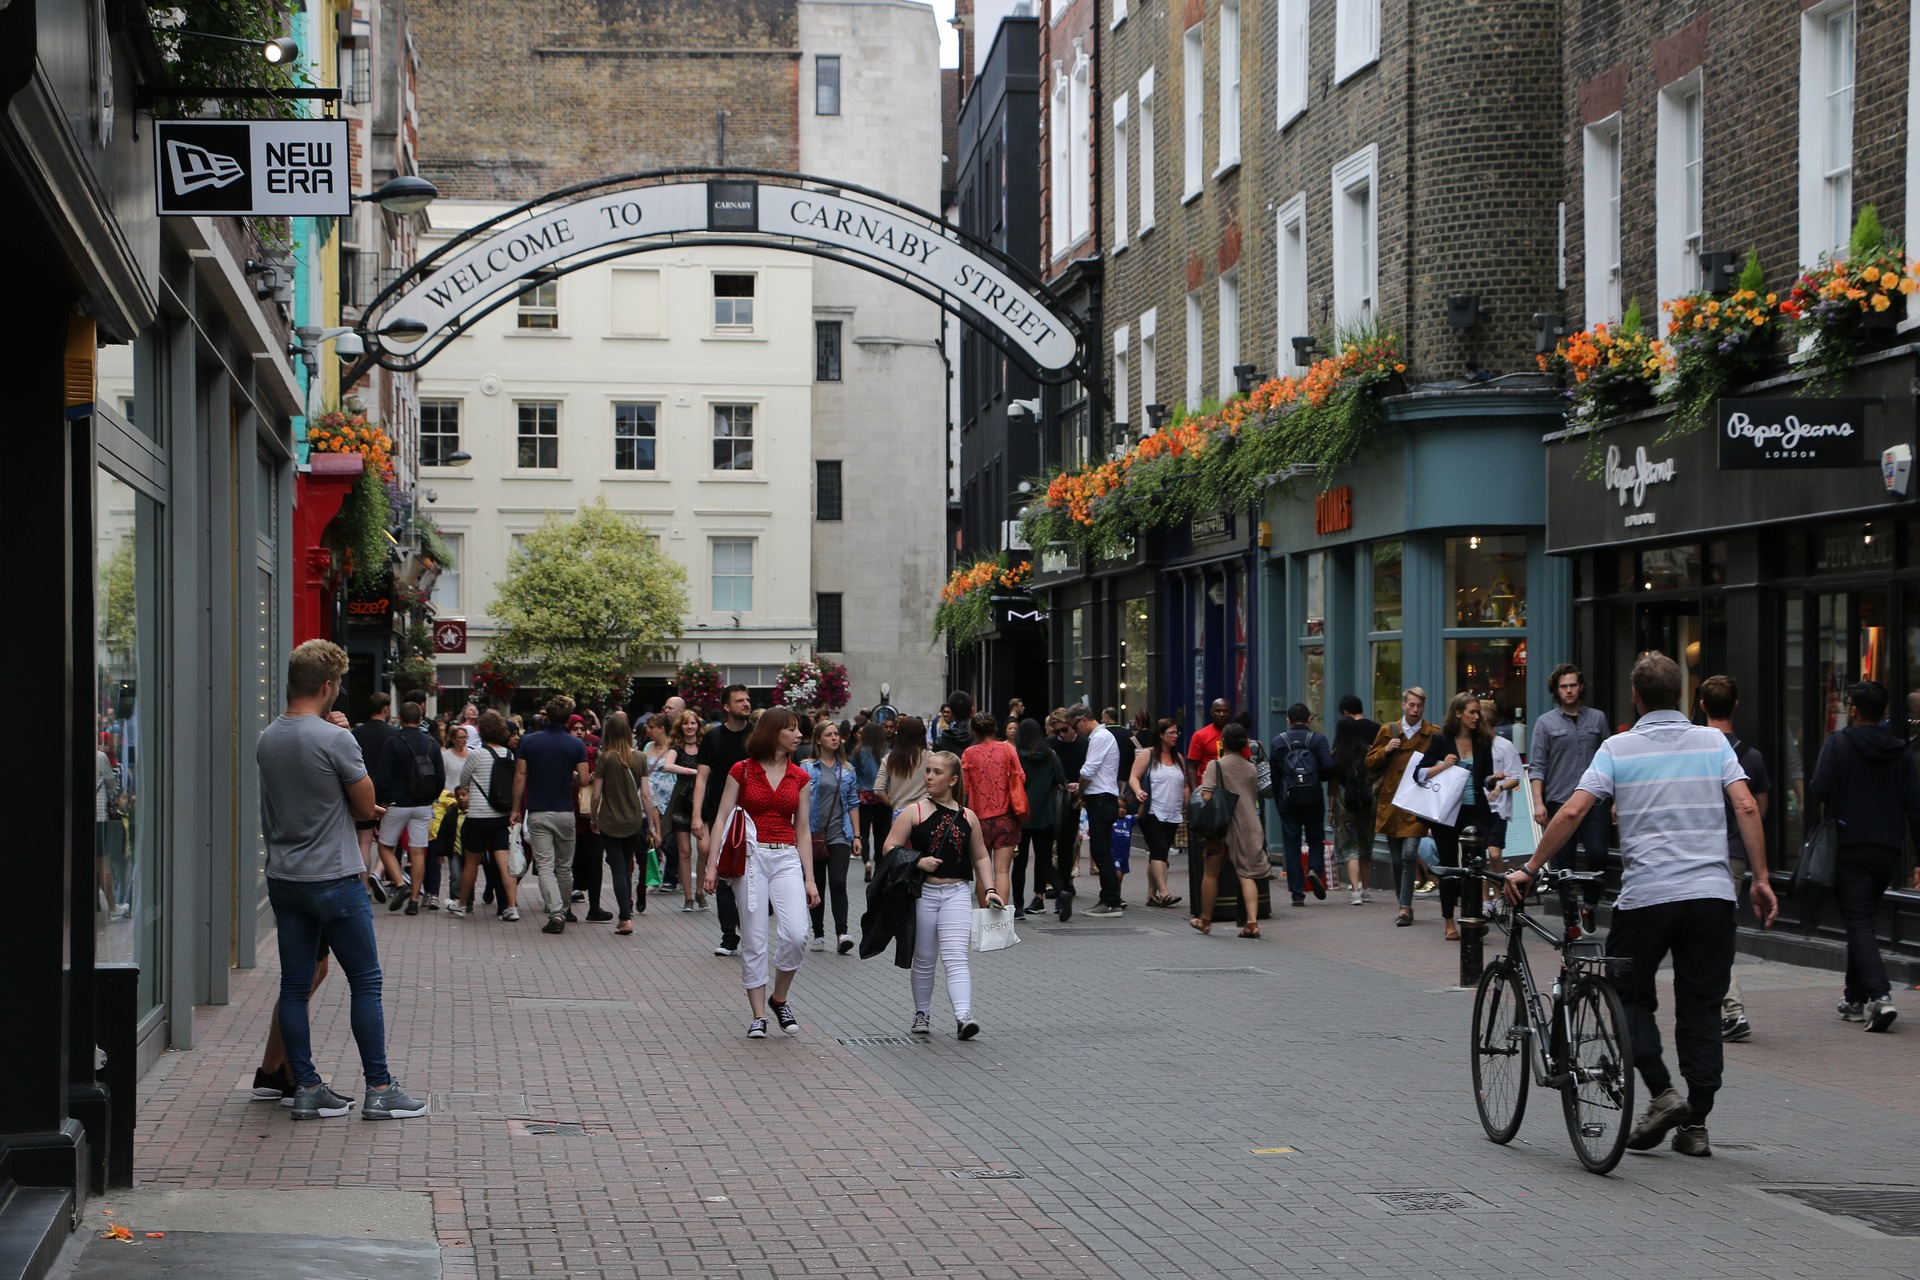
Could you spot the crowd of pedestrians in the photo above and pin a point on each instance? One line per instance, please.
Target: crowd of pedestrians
(764, 818)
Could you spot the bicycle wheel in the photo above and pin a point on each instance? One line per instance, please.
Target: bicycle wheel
(1501, 1070)
(1597, 1092)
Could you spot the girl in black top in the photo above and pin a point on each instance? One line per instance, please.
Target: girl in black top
(953, 857)
(1463, 740)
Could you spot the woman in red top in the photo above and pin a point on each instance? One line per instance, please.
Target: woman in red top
(991, 769)
(772, 792)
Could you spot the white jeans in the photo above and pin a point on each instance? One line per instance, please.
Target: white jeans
(773, 875)
(944, 929)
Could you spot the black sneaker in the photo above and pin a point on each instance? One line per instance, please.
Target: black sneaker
(555, 925)
(757, 1029)
(572, 918)
(1735, 1028)
(966, 1029)
(378, 890)
(784, 1012)
(413, 906)
(271, 1087)
(598, 916)
(1038, 905)
(1318, 884)
(1064, 901)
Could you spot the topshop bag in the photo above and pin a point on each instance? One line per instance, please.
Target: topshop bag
(993, 929)
(1817, 857)
(1016, 787)
(1435, 800)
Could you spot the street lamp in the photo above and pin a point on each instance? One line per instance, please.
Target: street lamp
(404, 329)
(406, 193)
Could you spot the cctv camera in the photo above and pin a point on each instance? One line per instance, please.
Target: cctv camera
(431, 495)
(1024, 408)
(348, 345)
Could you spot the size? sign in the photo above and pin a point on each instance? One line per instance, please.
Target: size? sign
(244, 168)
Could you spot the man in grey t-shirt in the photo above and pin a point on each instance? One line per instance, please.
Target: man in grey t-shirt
(1564, 741)
(313, 788)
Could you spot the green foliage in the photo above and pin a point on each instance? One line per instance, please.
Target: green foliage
(583, 599)
(119, 602)
(1868, 238)
(433, 542)
(363, 529)
(1631, 321)
(1753, 277)
(222, 64)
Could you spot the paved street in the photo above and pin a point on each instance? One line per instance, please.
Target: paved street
(1173, 1105)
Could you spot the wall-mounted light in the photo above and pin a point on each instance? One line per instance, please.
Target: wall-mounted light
(406, 193)
(1304, 349)
(1464, 310)
(1718, 267)
(1157, 415)
(1548, 329)
(1246, 377)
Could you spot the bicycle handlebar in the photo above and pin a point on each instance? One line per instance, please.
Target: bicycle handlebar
(1551, 876)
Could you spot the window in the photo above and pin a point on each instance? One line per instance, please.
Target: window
(1146, 152)
(1058, 132)
(1119, 12)
(732, 575)
(540, 306)
(732, 301)
(439, 432)
(826, 350)
(1312, 683)
(1121, 204)
(446, 587)
(1292, 61)
(1080, 152)
(1356, 36)
(634, 437)
(1601, 201)
(1194, 352)
(1193, 91)
(1384, 626)
(1229, 84)
(1355, 260)
(1290, 278)
(1149, 362)
(826, 85)
(1487, 581)
(539, 437)
(828, 622)
(1677, 188)
(826, 489)
(1122, 376)
(1826, 129)
(1229, 352)
(636, 301)
(733, 437)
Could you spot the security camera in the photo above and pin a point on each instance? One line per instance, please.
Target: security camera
(1024, 408)
(349, 345)
(431, 495)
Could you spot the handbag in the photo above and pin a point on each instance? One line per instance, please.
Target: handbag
(1437, 799)
(993, 929)
(516, 852)
(1211, 818)
(1817, 856)
(733, 845)
(1016, 787)
(1262, 773)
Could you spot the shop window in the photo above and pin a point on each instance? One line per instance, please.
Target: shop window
(1388, 558)
(1487, 580)
(1077, 684)
(1386, 680)
(1491, 666)
(1314, 573)
(1136, 657)
(1671, 569)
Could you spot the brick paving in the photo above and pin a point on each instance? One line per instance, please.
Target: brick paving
(1130, 1070)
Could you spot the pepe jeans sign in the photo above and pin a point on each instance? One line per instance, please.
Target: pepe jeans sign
(1629, 480)
(1758, 435)
(245, 168)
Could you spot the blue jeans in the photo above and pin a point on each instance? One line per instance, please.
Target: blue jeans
(334, 914)
(1311, 825)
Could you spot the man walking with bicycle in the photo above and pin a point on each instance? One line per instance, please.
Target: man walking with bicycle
(1668, 780)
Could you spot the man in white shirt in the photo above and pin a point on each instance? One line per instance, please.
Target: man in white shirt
(1099, 792)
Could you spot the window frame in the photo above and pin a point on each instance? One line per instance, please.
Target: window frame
(1291, 61)
(1143, 139)
(448, 578)
(821, 488)
(1227, 344)
(1356, 37)
(537, 316)
(1122, 199)
(1196, 352)
(440, 404)
(838, 362)
(1122, 375)
(820, 630)
(1193, 125)
(1293, 315)
(734, 326)
(539, 437)
(1229, 97)
(1821, 231)
(1356, 264)
(1059, 164)
(1149, 361)
(714, 437)
(1602, 151)
(820, 63)
(652, 438)
(714, 575)
(1080, 151)
(1679, 212)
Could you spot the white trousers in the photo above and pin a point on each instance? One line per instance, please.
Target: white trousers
(773, 876)
(943, 930)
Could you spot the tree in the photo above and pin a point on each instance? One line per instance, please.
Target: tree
(584, 599)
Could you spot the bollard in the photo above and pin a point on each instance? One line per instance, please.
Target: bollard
(1473, 923)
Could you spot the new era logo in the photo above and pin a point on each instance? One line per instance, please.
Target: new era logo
(198, 169)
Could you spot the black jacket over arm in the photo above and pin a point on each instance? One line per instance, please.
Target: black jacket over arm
(893, 905)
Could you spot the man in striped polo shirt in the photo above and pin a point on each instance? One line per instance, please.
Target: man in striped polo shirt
(1670, 782)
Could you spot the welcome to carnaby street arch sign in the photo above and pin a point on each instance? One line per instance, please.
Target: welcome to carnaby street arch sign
(486, 267)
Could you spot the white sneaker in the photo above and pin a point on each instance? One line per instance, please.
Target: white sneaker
(510, 915)
(818, 944)
(455, 909)
(1366, 896)
(1357, 898)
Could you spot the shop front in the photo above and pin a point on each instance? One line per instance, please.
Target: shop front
(1780, 547)
(1100, 639)
(1426, 564)
(1206, 597)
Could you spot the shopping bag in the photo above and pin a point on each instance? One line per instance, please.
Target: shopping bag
(993, 929)
(1435, 800)
(1210, 818)
(653, 868)
(1123, 844)
(517, 851)
(1817, 857)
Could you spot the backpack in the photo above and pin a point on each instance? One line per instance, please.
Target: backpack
(1300, 772)
(424, 783)
(1357, 788)
(500, 781)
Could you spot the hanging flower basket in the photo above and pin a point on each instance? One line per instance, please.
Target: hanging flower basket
(814, 685)
(493, 682)
(701, 685)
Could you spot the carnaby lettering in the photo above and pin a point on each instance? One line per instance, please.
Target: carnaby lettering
(1632, 480)
(875, 231)
(1784, 434)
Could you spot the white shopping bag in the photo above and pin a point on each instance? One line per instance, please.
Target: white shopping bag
(1435, 800)
(993, 929)
(516, 852)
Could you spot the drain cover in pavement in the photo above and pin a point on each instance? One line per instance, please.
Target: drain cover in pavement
(1424, 1201)
(546, 1129)
(983, 1173)
(1893, 1211)
(877, 1042)
(1205, 972)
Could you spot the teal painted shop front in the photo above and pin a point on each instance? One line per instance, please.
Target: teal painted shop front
(1424, 563)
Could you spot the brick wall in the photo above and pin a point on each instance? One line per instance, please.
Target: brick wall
(631, 84)
(1618, 56)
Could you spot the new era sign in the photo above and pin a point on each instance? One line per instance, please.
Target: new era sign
(273, 168)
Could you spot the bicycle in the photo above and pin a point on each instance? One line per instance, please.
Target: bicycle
(1572, 1038)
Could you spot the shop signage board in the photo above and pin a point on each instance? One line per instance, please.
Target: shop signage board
(1792, 435)
(249, 168)
(450, 635)
(1333, 511)
(1214, 527)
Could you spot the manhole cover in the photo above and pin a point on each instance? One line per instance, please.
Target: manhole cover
(1893, 1211)
(546, 1129)
(983, 1173)
(877, 1042)
(1423, 1201)
(1204, 972)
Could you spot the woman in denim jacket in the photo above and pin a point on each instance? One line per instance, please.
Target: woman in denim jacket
(835, 807)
